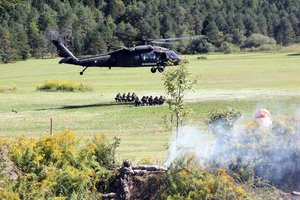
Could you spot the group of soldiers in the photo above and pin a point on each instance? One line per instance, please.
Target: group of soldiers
(144, 101)
(126, 98)
(150, 101)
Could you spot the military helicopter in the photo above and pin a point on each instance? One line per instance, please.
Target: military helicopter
(145, 55)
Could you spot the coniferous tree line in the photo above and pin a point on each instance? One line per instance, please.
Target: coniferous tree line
(90, 26)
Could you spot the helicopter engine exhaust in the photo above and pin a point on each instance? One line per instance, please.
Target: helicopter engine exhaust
(62, 51)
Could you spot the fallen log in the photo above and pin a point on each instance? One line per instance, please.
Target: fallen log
(149, 168)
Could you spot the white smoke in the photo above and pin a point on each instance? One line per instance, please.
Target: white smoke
(274, 147)
(204, 146)
(51, 34)
(190, 141)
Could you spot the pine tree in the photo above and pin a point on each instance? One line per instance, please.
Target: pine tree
(6, 49)
(20, 42)
(37, 41)
(284, 32)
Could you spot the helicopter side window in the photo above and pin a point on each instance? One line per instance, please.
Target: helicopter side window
(149, 57)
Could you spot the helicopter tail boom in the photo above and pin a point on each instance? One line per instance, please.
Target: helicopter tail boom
(62, 51)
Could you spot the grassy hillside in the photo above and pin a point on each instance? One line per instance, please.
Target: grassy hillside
(245, 81)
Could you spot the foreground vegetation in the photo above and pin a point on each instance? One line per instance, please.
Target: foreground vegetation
(59, 166)
(55, 166)
(66, 166)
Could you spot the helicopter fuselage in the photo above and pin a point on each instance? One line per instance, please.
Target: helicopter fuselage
(138, 56)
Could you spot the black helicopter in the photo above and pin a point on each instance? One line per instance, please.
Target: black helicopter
(155, 57)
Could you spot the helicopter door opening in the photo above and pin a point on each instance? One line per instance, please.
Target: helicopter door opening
(149, 59)
(163, 56)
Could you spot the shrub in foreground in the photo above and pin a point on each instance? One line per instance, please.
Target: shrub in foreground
(60, 165)
(187, 180)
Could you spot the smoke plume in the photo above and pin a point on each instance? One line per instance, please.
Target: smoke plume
(271, 146)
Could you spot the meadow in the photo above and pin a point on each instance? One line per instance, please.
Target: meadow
(245, 81)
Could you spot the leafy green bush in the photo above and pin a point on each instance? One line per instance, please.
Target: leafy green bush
(267, 47)
(60, 165)
(186, 180)
(222, 120)
(66, 86)
(200, 45)
(257, 40)
(229, 48)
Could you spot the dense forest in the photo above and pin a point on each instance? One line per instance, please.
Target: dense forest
(90, 26)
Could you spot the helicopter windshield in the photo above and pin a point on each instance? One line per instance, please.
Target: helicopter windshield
(172, 55)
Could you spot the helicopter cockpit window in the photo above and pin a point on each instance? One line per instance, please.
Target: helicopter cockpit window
(172, 55)
(149, 57)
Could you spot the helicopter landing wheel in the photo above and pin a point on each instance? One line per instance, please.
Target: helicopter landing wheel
(153, 70)
(81, 73)
(161, 69)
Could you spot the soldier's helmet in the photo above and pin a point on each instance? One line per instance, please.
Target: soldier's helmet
(126, 163)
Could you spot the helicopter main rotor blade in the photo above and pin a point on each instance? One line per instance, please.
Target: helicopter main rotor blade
(127, 36)
(123, 35)
(177, 38)
(162, 42)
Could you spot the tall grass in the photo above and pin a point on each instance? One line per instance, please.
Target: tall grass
(64, 85)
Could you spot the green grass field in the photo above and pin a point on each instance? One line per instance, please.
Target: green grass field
(244, 81)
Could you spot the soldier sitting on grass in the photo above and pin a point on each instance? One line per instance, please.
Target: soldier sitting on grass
(155, 101)
(144, 101)
(161, 100)
(137, 101)
(124, 97)
(128, 97)
(118, 98)
(150, 101)
(133, 96)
